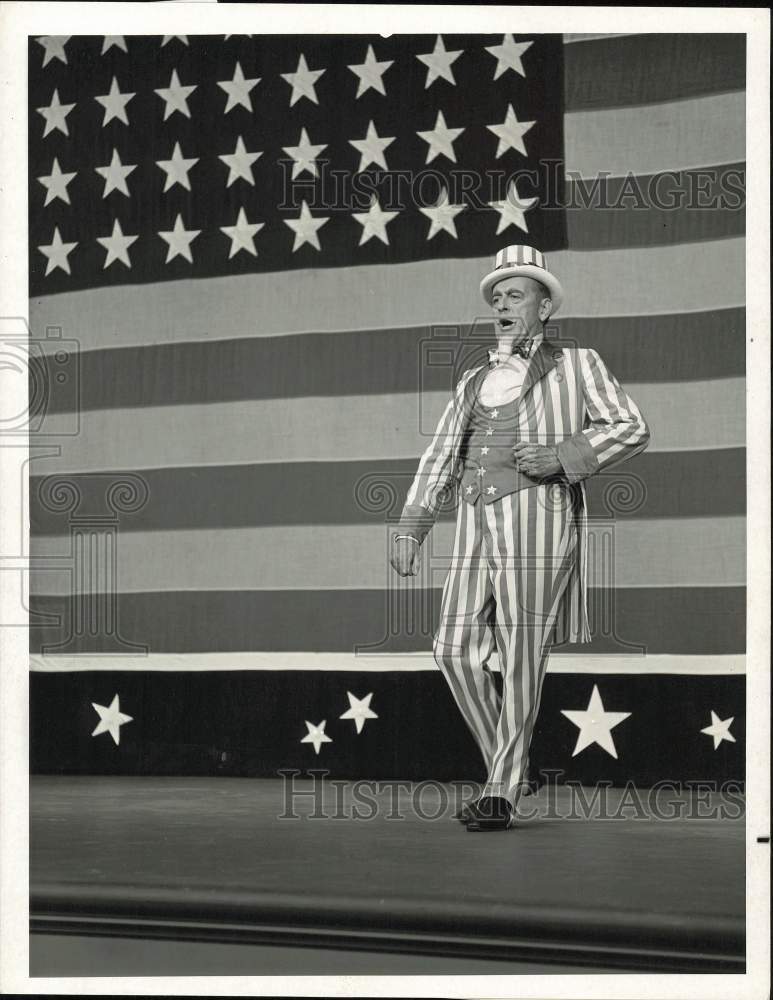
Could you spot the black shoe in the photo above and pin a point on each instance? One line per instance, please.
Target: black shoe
(491, 813)
(465, 814)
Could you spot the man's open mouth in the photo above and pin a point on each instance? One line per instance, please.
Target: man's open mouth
(505, 322)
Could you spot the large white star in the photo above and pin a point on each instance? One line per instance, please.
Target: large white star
(114, 103)
(511, 209)
(595, 725)
(316, 735)
(359, 710)
(442, 216)
(179, 240)
(371, 148)
(175, 96)
(56, 183)
(177, 168)
(168, 38)
(55, 115)
(302, 81)
(115, 174)
(110, 720)
(238, 89)
(441, 139)
(719, 729)
(110, 40)
(54, 47)
(438, 63)
(239, 163)
(374, 222)
(242, 235)
(57, 253)
(305, 227)
(370, 73)
(510, 133)
(508, 55)
(117, 245)
(304, 155)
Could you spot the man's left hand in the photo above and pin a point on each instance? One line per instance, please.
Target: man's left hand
(538, 461)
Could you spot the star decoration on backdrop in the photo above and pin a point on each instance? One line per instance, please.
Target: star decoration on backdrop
(177, 168)
(719, 729)
(512, 208)
(114, 103)
(111, 719)
(438, 63)
(54, 47)
(442, 216)
(242, 235)
(113, 40)
(175, 96)
(179, 240)
(117, 245)
(304, 155)
(168, 38)
(508, 55)
(316, 735)
(440, 139)
(239, 163)
(510, 133)
(55, 115)
(238, 90)
(370, 73)
(302, 81)
(359, 710)
(374, 222)
(56, 183)
(371, 148)
(57, 253)
(305, 228)
(595, 725)
(115, 175)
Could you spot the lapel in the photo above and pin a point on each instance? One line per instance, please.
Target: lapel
(544, 359)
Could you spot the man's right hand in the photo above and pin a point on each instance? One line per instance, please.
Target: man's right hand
(406, 557)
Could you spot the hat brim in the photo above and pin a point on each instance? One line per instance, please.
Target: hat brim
(527, 271)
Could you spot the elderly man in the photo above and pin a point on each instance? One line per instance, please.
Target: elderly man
(516, 440)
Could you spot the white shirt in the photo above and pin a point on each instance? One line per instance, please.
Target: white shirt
(504, 383)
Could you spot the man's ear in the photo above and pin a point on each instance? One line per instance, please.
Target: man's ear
(545, 309)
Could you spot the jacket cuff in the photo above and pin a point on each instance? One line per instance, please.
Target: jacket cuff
(415, 520)
(577, 458)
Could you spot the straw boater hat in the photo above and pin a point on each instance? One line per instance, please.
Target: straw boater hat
(530, 263)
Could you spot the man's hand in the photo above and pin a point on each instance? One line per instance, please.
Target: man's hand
(538, 461)
(406, 558)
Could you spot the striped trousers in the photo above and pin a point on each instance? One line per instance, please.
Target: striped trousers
(509, 570)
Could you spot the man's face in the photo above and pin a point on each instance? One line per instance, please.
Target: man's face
(519, 307)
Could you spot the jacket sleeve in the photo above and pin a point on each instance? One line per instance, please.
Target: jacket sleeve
(616, 430)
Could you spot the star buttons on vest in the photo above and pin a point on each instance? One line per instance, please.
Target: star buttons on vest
(481, 472)
(484, 450)
(469, 488)
(494, 414)
(491, 489)
(489, 431)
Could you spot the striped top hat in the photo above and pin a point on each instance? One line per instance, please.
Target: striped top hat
(526, 261)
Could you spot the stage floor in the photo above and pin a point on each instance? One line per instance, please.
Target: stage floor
(115, 862)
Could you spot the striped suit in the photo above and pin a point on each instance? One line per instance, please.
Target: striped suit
(518, 575)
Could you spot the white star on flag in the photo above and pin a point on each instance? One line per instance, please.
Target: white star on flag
(316, 735)
(115, 175)
(54, 47)
(242, 235)
(117, 245)
(719, 729)
(175, 96)
(110, 40)
(508, 55)
(168, 38)
(110, 720)
(371, 148)
(441, 139)
(305, 227)
(114, 103)
(57, 253)
(302, 81)
(304, 155)
(359, 710)
(238, 89)
(442, 215)
(595, 725)
(56, 183)
(370, 73)
(374, 222)
(239, 163)
(177, 168)
(510, 133)
(55, 115)
(179, 240)
(438, 63)
(511, 210)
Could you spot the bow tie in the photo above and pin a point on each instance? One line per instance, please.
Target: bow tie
(523, 350)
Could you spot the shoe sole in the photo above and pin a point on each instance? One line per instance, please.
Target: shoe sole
(489, 825)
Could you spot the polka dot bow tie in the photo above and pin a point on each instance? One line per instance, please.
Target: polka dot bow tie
(523, 350)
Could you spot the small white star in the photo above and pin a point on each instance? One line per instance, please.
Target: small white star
(511, 209)
(55, 115)
(491, 490)
(242, 235)
(238, 89)
(441, 139)
(316, 735)
(239, 163)
(359, 710)
(374, 222)
(719, 729)
(489, 431)
(302, 81)
(56, 183)
(110, 40)
(177, 168)
(117, 245)
(110, 720)
(54, 47)
(469, 489)
(115, 175)
(484, 450)
(179, 240)
(175, 96)
(595, 725)
(370, 73)
(438, 63)
(168, 38)
(510, 133)
(115, 103)
(304, 155)
(57, 253)
(508, 55)
(305, 227)
(494, 414)
(371, 148)
(481, 472)
(442, 216)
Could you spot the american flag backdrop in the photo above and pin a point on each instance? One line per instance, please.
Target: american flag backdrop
(243, 252)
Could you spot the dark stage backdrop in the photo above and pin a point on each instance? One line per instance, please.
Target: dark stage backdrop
(254, 264)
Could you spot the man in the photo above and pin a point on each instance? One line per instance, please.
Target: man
(516, 440)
